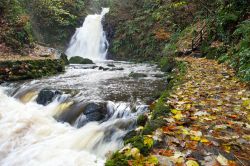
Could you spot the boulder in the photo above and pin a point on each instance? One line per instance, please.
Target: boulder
(80, 60)
(110, 65)
(93, 112)
(103, 68)
(46, 96)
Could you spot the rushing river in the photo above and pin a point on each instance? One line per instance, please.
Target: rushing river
(80, 117)
(65, 131)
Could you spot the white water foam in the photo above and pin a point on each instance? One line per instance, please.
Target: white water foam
(30, 136)
(89, 41)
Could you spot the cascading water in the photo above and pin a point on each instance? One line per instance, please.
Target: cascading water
(89, 41)
(64, 131)
(30, 136)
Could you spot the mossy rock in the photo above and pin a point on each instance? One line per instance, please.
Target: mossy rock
(118, 159)
(142, 120)
(64, 58)
(139, 143)
(80, 60)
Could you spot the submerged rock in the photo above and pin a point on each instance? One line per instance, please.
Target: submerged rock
(116, 68)
(137, 75)
(110, 65)
(46, 96)
(80, 60)
(103, 68)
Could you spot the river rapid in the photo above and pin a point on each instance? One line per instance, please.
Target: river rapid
(75, 118)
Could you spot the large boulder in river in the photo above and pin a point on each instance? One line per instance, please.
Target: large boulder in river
(93, 112)
(46, 96)
(80, 60)
(82, 113)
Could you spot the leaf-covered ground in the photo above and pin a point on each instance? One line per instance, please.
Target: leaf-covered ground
(209, 120)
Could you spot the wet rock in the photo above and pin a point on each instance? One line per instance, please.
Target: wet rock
(72, 113)
(137, 75)
(103, 68)
(80, 60)
(142, 120)
(64, 58)
(92, 112)
(159, 75)
(46, 96)
(95, 111)
(110, 65)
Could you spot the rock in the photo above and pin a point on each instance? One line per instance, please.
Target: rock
(64, 58)
(159, 75)
(137, 75)
(110, 65)
(116, 68)
(142, 120)
(103, 68)
(93, 112)
(46, 96)
(164, 161)
(80, 60)
(187, 52)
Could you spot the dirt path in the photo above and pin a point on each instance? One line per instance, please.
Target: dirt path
(210, 119)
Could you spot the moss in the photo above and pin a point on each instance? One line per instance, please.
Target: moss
(138, 142)
(117, 159)
(152, 125)
(80, 60)
(30, 69)
(142, 119)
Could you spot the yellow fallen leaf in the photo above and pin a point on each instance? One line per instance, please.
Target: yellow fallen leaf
(246, 137)
(195, 138)
(227, 148)
(178, 116)
(175, 111)
(191, 163)
(204, 140)
(185, 131)
(188, 106)
(246, 103)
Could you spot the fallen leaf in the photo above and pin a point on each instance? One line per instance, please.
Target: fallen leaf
(191, 163)
(222, 160)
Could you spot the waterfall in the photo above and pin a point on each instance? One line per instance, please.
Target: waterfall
(89, 41)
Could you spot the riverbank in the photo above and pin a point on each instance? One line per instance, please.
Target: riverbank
(14, 70)
(202, 120)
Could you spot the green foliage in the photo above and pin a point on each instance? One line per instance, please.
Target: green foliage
(152, 125)
(55, 19)
(141, 120)
(117, 159)
(140, 142)
(167, 64)
(18, 31)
